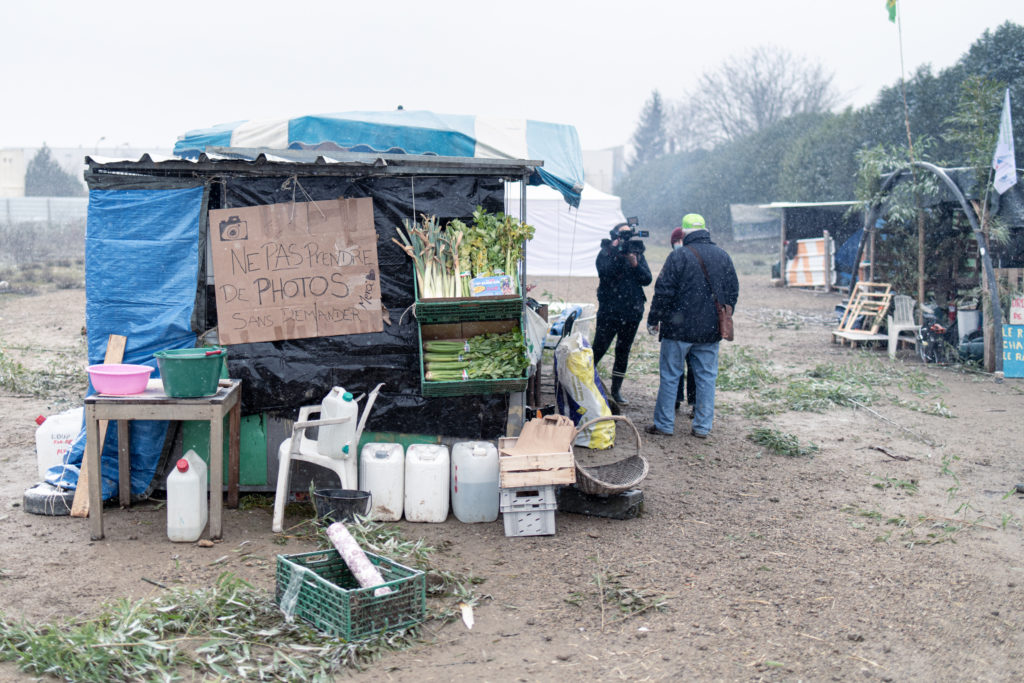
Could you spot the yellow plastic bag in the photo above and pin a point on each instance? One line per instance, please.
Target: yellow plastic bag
(575, 360)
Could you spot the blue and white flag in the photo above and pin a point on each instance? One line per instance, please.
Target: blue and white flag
(1004, 163)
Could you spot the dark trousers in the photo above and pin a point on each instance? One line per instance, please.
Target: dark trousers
(687, 385)
(623, 331)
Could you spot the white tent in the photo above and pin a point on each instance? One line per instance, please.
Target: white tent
(567, 239)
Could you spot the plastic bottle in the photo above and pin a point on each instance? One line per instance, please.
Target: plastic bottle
(54, 437)
(382, 473)
(475, 488)
(188, 507)
(426, 483)
(332, 439)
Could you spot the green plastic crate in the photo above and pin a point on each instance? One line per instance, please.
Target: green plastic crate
(460, 309)
(329, 597)
(468, 387)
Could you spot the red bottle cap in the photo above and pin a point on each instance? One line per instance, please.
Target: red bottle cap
(183, 465)
(40, 420)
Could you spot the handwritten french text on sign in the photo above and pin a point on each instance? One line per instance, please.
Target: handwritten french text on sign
(1013, 350)
(302, 269)
(1017, 311)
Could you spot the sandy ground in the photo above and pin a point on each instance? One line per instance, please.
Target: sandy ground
(773, 567)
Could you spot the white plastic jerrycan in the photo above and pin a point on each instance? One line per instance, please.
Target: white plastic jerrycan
(54, 437)
(426, 483)
(382, 473)
(475, 488)
(332, 439)
(188, 506)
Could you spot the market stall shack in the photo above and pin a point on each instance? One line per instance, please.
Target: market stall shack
(960, 268)
(150, 275)
(817, 241)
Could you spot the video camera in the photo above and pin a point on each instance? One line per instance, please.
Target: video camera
(629, 240)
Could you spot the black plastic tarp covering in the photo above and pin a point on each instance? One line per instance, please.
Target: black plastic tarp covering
(279, 377)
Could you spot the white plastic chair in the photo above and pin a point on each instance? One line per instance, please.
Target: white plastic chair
(901, 321)
(298, 447)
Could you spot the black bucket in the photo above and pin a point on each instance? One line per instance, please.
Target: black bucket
(341, 505)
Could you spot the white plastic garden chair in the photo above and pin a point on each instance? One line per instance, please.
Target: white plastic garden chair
(901, 321)
(298, 447)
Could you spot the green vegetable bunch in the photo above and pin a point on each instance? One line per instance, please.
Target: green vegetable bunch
(435, 255)
(485, 356)
(448, 258)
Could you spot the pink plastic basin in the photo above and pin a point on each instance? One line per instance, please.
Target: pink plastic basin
(122, 379)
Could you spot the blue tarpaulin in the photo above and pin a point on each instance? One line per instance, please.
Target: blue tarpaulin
(142, 256)
(412, 132)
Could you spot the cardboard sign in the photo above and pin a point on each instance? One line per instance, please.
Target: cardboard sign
(301, 269)
(1013, 350)
(1017, 311)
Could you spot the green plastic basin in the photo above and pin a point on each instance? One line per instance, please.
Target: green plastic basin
(191, 373)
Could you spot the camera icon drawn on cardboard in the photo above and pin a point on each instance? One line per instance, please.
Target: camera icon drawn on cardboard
(234, 229)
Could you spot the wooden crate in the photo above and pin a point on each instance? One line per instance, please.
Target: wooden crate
(536, 469)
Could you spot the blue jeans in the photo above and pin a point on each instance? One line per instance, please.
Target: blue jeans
(704, 359)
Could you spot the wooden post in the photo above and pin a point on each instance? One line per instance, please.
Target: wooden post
(782, 248)
(828, 261)
(920, 257)
(116, 344)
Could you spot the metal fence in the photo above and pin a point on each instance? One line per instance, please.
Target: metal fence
(41, 229)
(48, 210)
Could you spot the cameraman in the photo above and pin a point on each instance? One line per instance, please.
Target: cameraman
(623, 273)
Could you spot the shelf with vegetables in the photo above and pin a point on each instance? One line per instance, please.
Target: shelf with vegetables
(466, 271)
(472, 357)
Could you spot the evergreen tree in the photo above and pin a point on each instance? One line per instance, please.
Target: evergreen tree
(649, 140)
(821, 164)
(45, 178)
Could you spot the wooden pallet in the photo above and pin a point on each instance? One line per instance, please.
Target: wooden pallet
(855, 337)
(868, 299)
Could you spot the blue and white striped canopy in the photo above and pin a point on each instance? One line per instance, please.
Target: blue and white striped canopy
(412, 132)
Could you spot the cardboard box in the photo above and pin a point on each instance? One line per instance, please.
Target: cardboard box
(494, 285)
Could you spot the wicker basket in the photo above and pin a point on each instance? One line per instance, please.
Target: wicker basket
(616, 477)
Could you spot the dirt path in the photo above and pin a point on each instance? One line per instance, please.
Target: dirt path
(846, 564)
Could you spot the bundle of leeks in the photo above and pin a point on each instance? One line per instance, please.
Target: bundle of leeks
(485, 356)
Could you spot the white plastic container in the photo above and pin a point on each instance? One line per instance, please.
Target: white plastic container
(55, 436)
(475, 487)
(382, 473)
(426, 483)
(332, 439)
(967, 321)
(188, 506)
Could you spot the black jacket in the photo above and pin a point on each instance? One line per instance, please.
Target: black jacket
(682, 301)
(620, 291)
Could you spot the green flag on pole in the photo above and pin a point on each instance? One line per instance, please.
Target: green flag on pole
(891, 6)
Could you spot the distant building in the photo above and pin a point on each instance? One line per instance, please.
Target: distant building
(603, 168)
(12, 173)
(14, 162)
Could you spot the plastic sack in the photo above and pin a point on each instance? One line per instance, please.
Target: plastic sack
(535, 328)
(579, 394)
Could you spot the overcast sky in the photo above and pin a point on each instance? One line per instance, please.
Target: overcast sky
(140, 74)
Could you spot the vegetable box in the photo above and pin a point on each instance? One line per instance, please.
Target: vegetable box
(467, 309)
(461, 331)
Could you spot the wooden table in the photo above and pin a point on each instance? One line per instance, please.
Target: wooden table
(154, 404)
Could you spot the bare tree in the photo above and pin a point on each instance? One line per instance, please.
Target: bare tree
(750, 92)
(683, 127)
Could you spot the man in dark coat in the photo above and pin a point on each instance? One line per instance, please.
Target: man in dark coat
(623, 272)
(683, 312)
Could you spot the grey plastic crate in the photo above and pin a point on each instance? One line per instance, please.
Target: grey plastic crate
(529, 523)
(529, 498)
